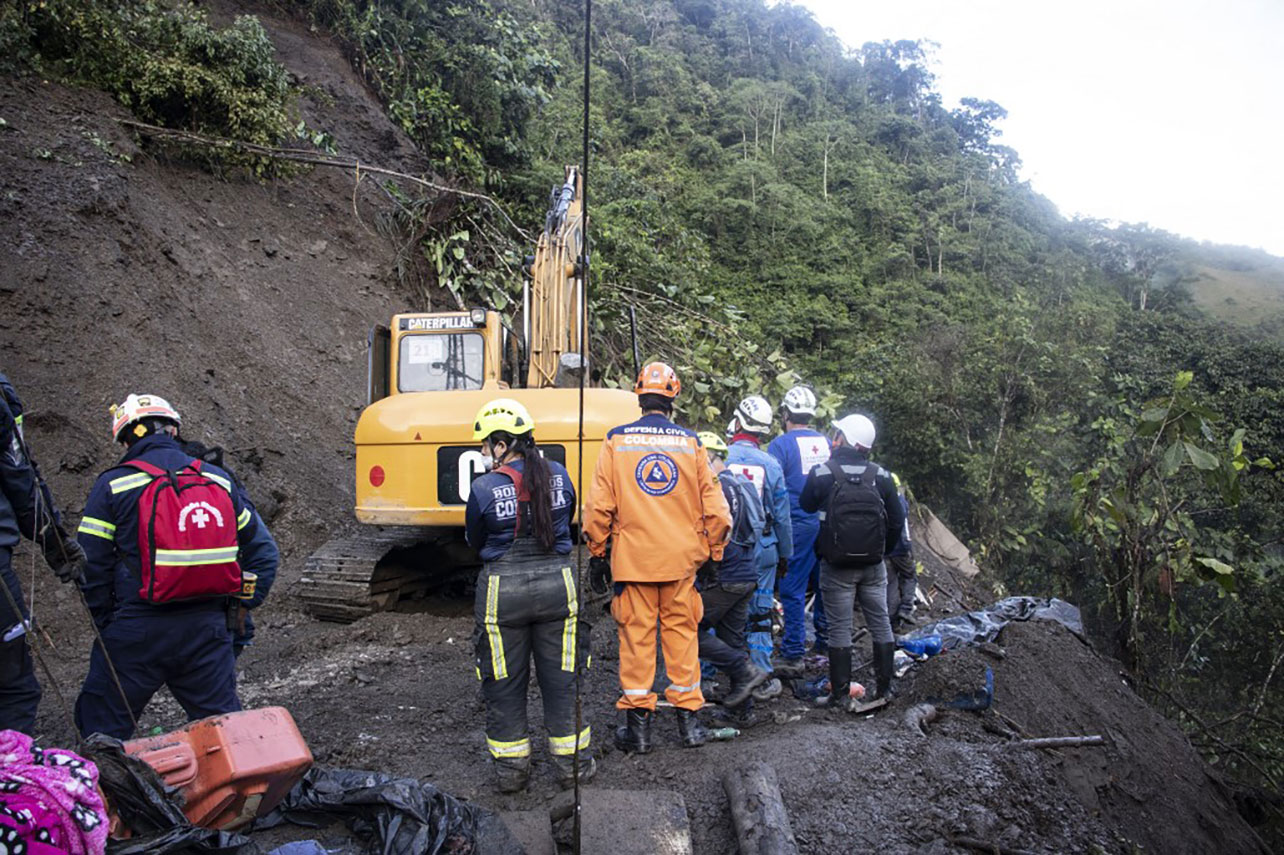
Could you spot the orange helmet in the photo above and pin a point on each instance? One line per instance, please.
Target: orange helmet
(657, 378)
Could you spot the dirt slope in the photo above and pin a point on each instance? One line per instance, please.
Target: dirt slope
(248, 304)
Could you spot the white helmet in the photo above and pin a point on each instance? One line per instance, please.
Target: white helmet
(801, 400)
(139, 407)
(858, 430)
(753, 415)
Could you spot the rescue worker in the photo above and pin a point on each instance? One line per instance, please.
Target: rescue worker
(751, 422)
(655, 502)
(798, 450)
(902, 578)
(184, 643)
(26, 510)
(879, 519)
(518, 518)
(243, 621)
(727, 588)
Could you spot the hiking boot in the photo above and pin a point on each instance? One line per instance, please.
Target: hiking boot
(634, 736)
(744, 680)
(565, 769)
(690, 729)
(884, 667)
(512, 775)
(772, 688)
(788, 667)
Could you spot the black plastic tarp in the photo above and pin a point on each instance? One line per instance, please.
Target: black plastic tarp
(391, 816)
(399, 816)
(983, 625)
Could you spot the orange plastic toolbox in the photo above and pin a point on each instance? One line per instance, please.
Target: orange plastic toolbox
(229, 768)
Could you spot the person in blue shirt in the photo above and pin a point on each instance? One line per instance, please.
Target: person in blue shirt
(183, 644)
(752, 422)
(798, 450)
(727, 587)
(518, 518)
(26, 510)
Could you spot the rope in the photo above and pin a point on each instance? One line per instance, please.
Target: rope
(583, 326)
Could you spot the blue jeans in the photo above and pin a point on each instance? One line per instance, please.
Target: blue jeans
(758, 635)
(190, 651)
(804, 569)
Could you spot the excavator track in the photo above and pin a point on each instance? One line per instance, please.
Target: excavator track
(357, 575)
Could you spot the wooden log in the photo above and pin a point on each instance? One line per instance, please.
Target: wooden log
(757, 811)
(1060, 742)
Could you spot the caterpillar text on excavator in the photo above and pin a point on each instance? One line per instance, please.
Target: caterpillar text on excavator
(427, 376)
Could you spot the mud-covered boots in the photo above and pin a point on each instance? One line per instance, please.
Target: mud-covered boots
(634, 736)
(512, 773)
(690, 729)
(840, 678)
(884, 668)
(565, 768)
(744, 680)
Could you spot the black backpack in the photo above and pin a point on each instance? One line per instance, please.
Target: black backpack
(854, 533)
(747, 514)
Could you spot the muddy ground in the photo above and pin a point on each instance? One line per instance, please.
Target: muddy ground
(247, 304)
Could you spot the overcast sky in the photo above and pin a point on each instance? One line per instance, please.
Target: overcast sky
(1169, 112)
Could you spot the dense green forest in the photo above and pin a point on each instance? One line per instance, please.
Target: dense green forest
(778, 206)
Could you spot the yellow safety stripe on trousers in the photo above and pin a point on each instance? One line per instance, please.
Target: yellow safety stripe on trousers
(243, 520)
(498, 665)
(564, 745)
(570, 627)
(98, 528)
(500, 750)
(218, 479)
(129, 482)
(181, 557)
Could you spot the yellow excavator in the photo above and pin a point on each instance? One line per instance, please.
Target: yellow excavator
(427, 376)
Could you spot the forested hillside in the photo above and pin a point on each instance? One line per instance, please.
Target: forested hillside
(776, 206)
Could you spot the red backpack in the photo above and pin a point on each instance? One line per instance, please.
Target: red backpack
(186, 536)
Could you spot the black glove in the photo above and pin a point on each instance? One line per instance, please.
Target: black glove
(599, 575)
(65, 557)
(707, 575)
(782, 567)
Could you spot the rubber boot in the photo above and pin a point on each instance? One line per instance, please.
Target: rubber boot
(840, 677)
(512, 774)
(690, 729)
(884, 667)
(565, 768)
(744, 680)
(634, 736)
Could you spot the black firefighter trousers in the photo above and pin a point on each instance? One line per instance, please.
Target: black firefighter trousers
(526, 609)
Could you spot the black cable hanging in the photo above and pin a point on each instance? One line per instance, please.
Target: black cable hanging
(584, 368)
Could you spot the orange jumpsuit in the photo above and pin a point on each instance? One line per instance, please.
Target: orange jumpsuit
(655, 498)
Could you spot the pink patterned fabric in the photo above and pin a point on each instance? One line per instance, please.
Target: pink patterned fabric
(49, 800)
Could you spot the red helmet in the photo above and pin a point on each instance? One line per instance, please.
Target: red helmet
(657, 378)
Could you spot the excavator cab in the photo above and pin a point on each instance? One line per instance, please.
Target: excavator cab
(440, 352)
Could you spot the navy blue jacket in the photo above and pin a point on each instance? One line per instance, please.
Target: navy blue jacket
(26, 506)
(490, 518)
(109, 534)
(903, 546)
(737, 561)
(820, 482)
